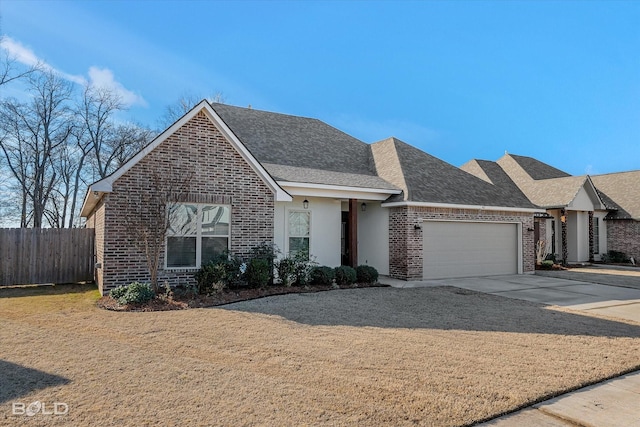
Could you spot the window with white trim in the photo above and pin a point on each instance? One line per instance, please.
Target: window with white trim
(299, 231)
(197, 233)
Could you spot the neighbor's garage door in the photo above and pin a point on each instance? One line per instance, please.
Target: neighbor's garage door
(466, 249)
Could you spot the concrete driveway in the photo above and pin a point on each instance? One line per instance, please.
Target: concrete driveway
(612, 301)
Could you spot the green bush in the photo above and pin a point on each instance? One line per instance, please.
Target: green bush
(617, 257)
(222, 272)
(345, 275)
(267, 252)
(322, 276)
(547, 264)
(286, 271)
(258, 273)
(366, 274)
(294, 270)
(134, 293)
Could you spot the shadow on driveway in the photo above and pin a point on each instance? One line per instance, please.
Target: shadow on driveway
(446, 308)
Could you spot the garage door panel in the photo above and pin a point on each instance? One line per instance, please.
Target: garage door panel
(465, 249)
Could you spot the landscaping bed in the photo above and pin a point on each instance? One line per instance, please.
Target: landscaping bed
(178, 301)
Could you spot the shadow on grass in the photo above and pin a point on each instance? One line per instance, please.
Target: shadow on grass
(18, 381)
(446, 308)
(39, 290)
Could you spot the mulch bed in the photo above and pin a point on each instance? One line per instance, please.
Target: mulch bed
(181, 302)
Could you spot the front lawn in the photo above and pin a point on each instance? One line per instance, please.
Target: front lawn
(374, 356)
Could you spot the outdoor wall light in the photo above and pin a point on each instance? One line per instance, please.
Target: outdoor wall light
(417, 227)
(363, 207)
(530, 229)
(305, 204)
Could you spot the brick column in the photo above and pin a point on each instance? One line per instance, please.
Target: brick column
(565, 250)
(591, 236)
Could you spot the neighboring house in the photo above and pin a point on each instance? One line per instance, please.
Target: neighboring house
(577, 207)
(302, 184)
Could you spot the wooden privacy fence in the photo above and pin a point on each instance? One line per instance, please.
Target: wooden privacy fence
(46, 255)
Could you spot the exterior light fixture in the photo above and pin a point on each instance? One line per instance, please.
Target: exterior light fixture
(305, 204)
(563, 218)
(417, 227)
(363, 207)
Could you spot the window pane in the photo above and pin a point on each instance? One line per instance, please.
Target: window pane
(299, 224)
(212, 247)
(215, 220)
(183, 219)
(297, 244)
(181, 251)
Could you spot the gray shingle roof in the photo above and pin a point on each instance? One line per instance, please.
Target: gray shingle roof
(318, 176)
(297, 141)
(622, 190)
(429, 179)
(537, 169)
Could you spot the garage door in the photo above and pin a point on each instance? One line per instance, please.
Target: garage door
(466, 249)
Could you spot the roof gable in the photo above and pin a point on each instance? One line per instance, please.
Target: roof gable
(429, 179)
(105, 185)
(620, 191)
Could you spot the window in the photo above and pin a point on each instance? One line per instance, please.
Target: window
(299, 227)
(596, 235)
(197, 234)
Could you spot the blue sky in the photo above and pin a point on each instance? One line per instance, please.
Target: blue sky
(559, 81)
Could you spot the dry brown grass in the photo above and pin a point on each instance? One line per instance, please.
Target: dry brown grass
(380, 356)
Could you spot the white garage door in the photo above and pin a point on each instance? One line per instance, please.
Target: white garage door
(466, 249)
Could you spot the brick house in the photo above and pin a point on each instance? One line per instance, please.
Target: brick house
(257, 177)
(585, 215)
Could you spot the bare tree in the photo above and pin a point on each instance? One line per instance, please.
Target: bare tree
(96, 114)
(32, 134)
(186, 102)
(149, 214)
(10, 70)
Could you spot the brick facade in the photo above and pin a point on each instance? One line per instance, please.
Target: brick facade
(405, 241)
(624, 236)
(220, 175)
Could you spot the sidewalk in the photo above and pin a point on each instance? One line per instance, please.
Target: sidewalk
(612, 403)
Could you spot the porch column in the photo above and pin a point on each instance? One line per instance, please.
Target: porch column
(353, 232)
(565, 250)
(591, 236)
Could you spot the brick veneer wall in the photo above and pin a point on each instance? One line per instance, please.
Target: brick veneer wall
(405, 242)
(220, 175)
(624, 236)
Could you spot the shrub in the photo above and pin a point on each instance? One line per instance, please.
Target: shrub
(219, 273)
(366, 274)
(345, 275)
(286, 271)
(294, 270)
(267, 252)
(134, 293)
(322, 276)
(547, 264)
(617, 257)
(258, 273)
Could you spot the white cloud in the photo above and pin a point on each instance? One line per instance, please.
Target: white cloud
(104, 78)
(99, 77)
(19, 52)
